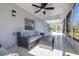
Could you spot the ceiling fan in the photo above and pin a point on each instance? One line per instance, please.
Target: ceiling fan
(43, 6)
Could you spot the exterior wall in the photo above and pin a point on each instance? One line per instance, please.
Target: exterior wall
(73, 43)
(69, 40)
(76, 46)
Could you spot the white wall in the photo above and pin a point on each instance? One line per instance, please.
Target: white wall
(10, 24)
(41, 26)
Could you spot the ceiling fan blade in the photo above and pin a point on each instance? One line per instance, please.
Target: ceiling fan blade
(49, 8)
(44, 12)
(37, 11)
(35, 6)
(43, 5)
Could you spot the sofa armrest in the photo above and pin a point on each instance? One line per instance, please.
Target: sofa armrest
(0, 45)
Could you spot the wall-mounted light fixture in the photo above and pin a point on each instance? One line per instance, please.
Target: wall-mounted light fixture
(13, 13)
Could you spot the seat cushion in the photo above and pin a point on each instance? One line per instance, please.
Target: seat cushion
(34, 38)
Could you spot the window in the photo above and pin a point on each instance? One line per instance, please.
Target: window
(69, 28)
(29, 24)
(75, 21)
(52, 27)
(72, 23)
(55, 27)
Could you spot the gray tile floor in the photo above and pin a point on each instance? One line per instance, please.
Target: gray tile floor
(37, 51)
(68, 49)
(19, 51)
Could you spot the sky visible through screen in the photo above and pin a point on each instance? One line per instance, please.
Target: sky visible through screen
(75, 15)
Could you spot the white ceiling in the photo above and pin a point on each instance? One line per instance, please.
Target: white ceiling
(60, 11)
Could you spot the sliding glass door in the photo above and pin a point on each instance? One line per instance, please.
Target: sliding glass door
(56, 27)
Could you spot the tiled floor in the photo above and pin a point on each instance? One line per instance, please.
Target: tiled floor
(69, 50)
(19, 51)
(37, 51)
